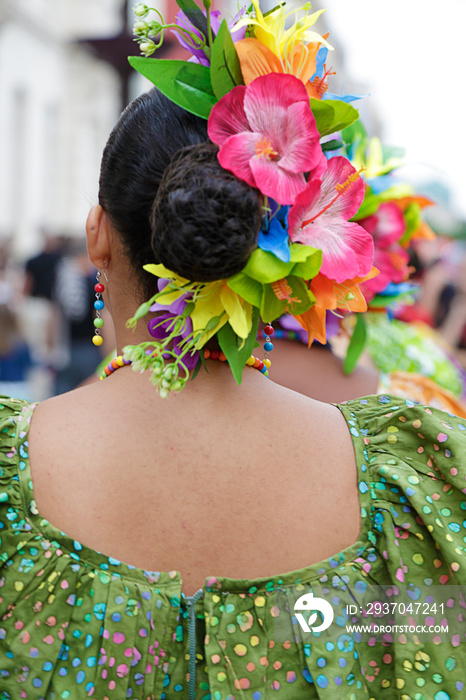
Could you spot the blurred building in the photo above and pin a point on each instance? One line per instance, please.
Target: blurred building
(57, 106)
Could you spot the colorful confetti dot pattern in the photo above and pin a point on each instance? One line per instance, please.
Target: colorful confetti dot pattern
(75, 623)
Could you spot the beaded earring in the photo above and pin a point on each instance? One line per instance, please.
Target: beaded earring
(98, 306)
(268, 345)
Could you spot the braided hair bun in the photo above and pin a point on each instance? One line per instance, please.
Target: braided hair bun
(205, 222)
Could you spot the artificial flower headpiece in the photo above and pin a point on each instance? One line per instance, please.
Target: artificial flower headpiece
(263, 89)
(392, 213)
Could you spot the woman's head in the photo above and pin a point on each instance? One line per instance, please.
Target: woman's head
(169, 200)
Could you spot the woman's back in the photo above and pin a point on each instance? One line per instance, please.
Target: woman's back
(217, 480)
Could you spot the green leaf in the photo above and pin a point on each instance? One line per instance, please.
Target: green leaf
(271, 307)
(369, 205)
(236, 349)
(383, 301)
(194, 14)
(356, 345)
(186, 84)
(355, 131)
(225, 69)
(199, 364)
(413, 218)
(396, 192)
(301, 299)
(265, 267)
(332, 115)
(332, 145)
(310, 267)
(371, 201)
(300, 252)
(247, 288)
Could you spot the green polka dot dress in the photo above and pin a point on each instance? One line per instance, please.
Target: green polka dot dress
(77, 624)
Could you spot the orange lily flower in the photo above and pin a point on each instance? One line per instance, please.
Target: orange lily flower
(313, 321)
(257, 59)
(331, 295)
(424, 230)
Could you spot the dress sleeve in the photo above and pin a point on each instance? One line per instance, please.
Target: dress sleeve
(12, 413)
(417, 458)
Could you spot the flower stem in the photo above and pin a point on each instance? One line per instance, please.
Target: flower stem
(207, 4)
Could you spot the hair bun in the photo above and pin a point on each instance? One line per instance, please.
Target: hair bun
(205, 222)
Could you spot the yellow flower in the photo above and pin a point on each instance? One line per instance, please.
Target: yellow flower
(270, 30)
(211, 300)
(371, 158)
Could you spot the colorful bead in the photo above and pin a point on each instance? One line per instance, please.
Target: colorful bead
(98, 322)
(268, 346)
(250, 361)
(214, 355)
(97, 340)
(99, 305)
(99, 288)
(269, 330)
(115, 364)
(267, 363)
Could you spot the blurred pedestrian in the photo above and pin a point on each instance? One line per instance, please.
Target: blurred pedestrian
(39, 315)
(15, 357)
(41, 269)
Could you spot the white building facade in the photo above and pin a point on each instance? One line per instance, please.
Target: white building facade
(58, 104)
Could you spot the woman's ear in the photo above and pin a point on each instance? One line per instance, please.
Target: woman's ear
(98, 232)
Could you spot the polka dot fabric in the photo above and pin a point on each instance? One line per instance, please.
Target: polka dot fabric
(77, 624)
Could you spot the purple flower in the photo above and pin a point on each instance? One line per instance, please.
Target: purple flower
(215, 21)
(162, 326)
(291, 324)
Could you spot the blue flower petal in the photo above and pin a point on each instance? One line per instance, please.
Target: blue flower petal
(393, 289)
(320, 62)
(381, 183)
(343, 98)
(276, 240)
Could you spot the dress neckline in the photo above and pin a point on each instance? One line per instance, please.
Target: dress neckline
(172, 581)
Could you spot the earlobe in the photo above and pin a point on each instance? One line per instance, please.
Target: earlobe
(98, 239)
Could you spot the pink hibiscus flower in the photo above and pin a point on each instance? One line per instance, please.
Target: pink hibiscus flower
(386, 226)
(268, 136)
(320, 216)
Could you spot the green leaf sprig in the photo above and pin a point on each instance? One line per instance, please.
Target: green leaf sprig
(192, 86)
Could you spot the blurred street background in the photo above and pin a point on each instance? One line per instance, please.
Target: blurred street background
(64, 79)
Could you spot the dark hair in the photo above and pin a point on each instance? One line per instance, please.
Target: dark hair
(168, 198)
